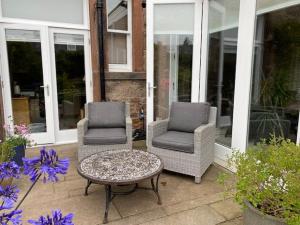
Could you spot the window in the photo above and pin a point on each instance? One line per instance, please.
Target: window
(223, 36)
(173, 55)
(275, 99)
(69, 11)
(119, 34)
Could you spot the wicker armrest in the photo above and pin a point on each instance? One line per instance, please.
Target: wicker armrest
(205, 135)
(129, 128)
(82, 127)
(157, 128)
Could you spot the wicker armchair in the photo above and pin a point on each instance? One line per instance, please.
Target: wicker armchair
(107, 126)
(185, 152)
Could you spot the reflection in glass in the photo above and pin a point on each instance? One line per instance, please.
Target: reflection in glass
(26, 78)
(117, 15)
(223, 35)
(70, 75)
(276, 75)
(117, 46)
(173, 56)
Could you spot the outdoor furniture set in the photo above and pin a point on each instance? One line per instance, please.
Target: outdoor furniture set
(184, 143)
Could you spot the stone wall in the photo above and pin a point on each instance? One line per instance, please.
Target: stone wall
(129, 87)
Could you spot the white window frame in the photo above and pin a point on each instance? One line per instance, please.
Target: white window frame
(150, 51)
(69, 135)
(243, 80)
(43, 137)
(84, 26)
(128, 66)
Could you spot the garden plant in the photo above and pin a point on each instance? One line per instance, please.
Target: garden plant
(46, 166)
(268, 177)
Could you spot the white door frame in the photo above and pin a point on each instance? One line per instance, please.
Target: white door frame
(46, 137)
(69, 135)
(150, 51)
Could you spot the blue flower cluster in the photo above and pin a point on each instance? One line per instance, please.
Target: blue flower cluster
(56, 219)
(14, 217)
(8, 195)
(8, 170)
(47, 165)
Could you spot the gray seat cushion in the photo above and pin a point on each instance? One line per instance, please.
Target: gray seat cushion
(174, 140)
(105, 136)
(106, 115)
(186, 116)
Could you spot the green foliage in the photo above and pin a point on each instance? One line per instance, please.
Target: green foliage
(15, 141)
(6, 152)
(268, 176)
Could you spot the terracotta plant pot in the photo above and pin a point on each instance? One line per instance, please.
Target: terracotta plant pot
(253, 216)
(19, 154)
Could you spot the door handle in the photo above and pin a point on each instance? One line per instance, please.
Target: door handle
(47, 88)
(150, 88)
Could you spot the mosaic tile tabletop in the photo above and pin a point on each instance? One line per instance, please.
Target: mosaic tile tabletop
(120, 165)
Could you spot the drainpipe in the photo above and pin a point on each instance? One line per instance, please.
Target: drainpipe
(100, 14)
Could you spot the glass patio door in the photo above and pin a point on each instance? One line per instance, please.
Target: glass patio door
(27, 84)
(173, 47)
(71, 80)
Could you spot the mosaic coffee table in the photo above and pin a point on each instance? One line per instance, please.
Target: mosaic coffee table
(119, 168)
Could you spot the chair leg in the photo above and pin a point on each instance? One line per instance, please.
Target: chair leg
(197, 180)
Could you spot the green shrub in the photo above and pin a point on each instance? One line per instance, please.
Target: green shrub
(6, 151)
(268, 176)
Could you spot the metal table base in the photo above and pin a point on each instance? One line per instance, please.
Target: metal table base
(110, 194)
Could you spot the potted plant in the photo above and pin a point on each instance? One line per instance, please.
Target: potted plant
(17, 137)
(267, 182)
(6, 154)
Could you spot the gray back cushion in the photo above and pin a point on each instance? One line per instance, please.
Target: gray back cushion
(186, 116)
(106, 115)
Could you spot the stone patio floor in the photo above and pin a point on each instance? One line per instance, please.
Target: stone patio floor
(184, 202)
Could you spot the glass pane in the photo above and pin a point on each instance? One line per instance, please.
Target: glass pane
(66, 11)
(223, 36)
(70, 75)
(173, 57)
(117, 46)
(269, 5)
(276, 75)
(117, 14)
(26, 78)
(174, 18)
(223, 15)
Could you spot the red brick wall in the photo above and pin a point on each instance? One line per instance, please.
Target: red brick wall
(132, 90)
(130, 87)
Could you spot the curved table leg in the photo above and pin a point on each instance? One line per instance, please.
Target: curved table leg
(155, 189)
(107, 202)
(87, 187)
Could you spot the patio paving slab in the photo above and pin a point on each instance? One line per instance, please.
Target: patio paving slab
(184, 202)
(201, 215)
(228, 208)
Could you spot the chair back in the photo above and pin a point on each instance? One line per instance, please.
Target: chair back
(187, 116)
(106, 114)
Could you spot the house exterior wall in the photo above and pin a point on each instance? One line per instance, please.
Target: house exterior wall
(122, 86)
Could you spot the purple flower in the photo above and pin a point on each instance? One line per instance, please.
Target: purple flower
(9, 194)
(6, 205)
(8, 170)
(56, 219)
(13, 217)
(48, 165)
